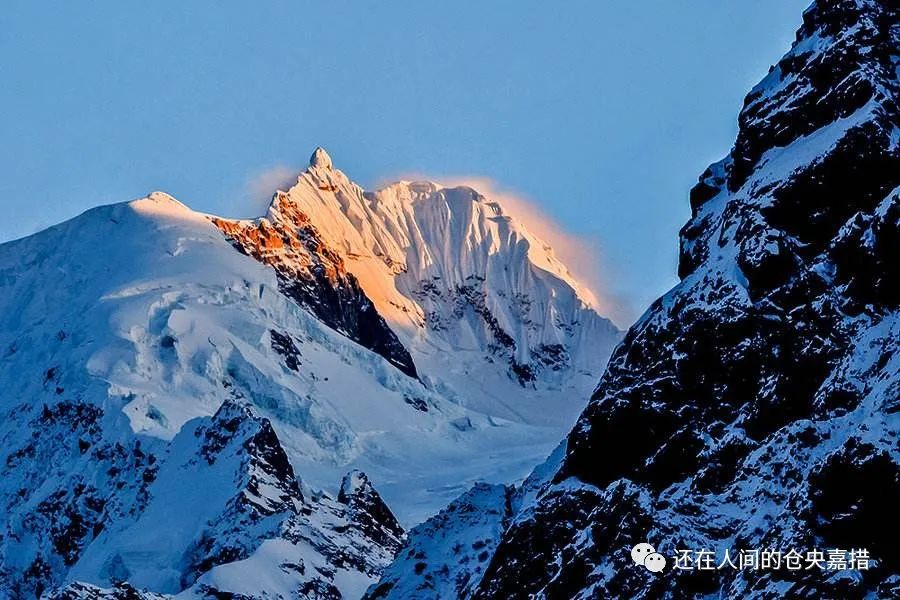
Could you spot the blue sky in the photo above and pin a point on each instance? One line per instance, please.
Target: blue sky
(602, 113)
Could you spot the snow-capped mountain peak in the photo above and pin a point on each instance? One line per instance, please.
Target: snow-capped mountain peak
(155, 358)
(451, 271)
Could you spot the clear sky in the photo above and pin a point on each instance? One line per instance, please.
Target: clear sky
(601, 112)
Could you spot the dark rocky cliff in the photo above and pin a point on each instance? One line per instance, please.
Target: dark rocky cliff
(755, 405)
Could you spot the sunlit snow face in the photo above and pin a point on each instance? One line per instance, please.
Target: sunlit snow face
(655, 562)
(640, 552)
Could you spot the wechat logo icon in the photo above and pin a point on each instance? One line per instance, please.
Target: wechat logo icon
(646, 555)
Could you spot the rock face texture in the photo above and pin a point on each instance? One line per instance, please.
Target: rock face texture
(218, 505)
(756, 404)
(446, 556)
(313, 274)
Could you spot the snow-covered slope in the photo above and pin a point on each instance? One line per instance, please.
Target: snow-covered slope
(123, 332)
(171, 405)
(446, 556)
(755, 406)
(220, 512)
(448, 553)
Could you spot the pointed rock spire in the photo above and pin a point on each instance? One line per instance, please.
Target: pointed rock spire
(368, 510)
(321, 159)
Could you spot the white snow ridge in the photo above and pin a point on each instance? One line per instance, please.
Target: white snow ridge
(183, 393)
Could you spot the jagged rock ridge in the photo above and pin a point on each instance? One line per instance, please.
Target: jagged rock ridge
(755, 405)
(194, 517)
(447, 556)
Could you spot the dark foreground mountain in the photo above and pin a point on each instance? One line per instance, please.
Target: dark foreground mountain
(757, 404)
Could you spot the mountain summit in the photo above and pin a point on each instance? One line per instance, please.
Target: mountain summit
(182, 393)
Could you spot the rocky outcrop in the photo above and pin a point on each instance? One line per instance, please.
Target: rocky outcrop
(65, 483)
(368, 511)
(219, 494)
(225, 496)
(445, 557)
(755, 405)
(313, 274)
(121, 591)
